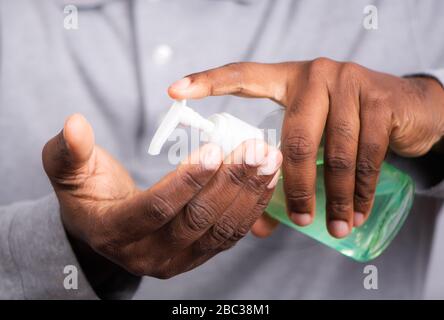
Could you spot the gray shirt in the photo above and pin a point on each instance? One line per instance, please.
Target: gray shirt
(115, 70)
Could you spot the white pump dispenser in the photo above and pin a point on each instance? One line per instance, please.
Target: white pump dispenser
(222, 129)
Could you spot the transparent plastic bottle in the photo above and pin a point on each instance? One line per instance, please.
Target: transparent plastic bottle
(393, 200)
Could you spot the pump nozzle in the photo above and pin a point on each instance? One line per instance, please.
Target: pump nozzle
(179, 113)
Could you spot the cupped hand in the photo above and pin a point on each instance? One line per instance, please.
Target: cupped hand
(202, 208)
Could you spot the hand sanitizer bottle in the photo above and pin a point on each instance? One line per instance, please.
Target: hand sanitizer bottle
(393, 198)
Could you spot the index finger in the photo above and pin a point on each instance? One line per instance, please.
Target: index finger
(151, 209)
(246, 79)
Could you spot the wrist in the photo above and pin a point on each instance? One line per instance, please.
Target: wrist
(430, 94)
(437, 94)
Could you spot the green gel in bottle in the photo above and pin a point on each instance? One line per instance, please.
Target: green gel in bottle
(393, 200)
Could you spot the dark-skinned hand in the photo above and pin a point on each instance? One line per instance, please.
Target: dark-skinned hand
(202, 208)
(361, 114)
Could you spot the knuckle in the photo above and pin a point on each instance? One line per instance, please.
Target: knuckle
(299, 198)
(262, 204)
(236, 174)
(349, 72)
(298, 147)
(300, 202)
(366, 168)
(241, 232)
(348, 67)
(322, 63)
(189, 179)
(321, 66)
(341, 163)
(159, 209)
(199, 214)
(339, 207)
(256, 185)
(363, 190)
(365, 183)
(224, 228)
(363, 196)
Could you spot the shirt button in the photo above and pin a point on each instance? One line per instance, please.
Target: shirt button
(162, 54)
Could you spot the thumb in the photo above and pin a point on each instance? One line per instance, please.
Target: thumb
(69, 152)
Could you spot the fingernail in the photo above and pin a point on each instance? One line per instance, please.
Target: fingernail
(255, 153)
(181, 84)
(271, 163)
(274, 181)
(338, 228)
(212, 157)
(301, 219)
(358, 219)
